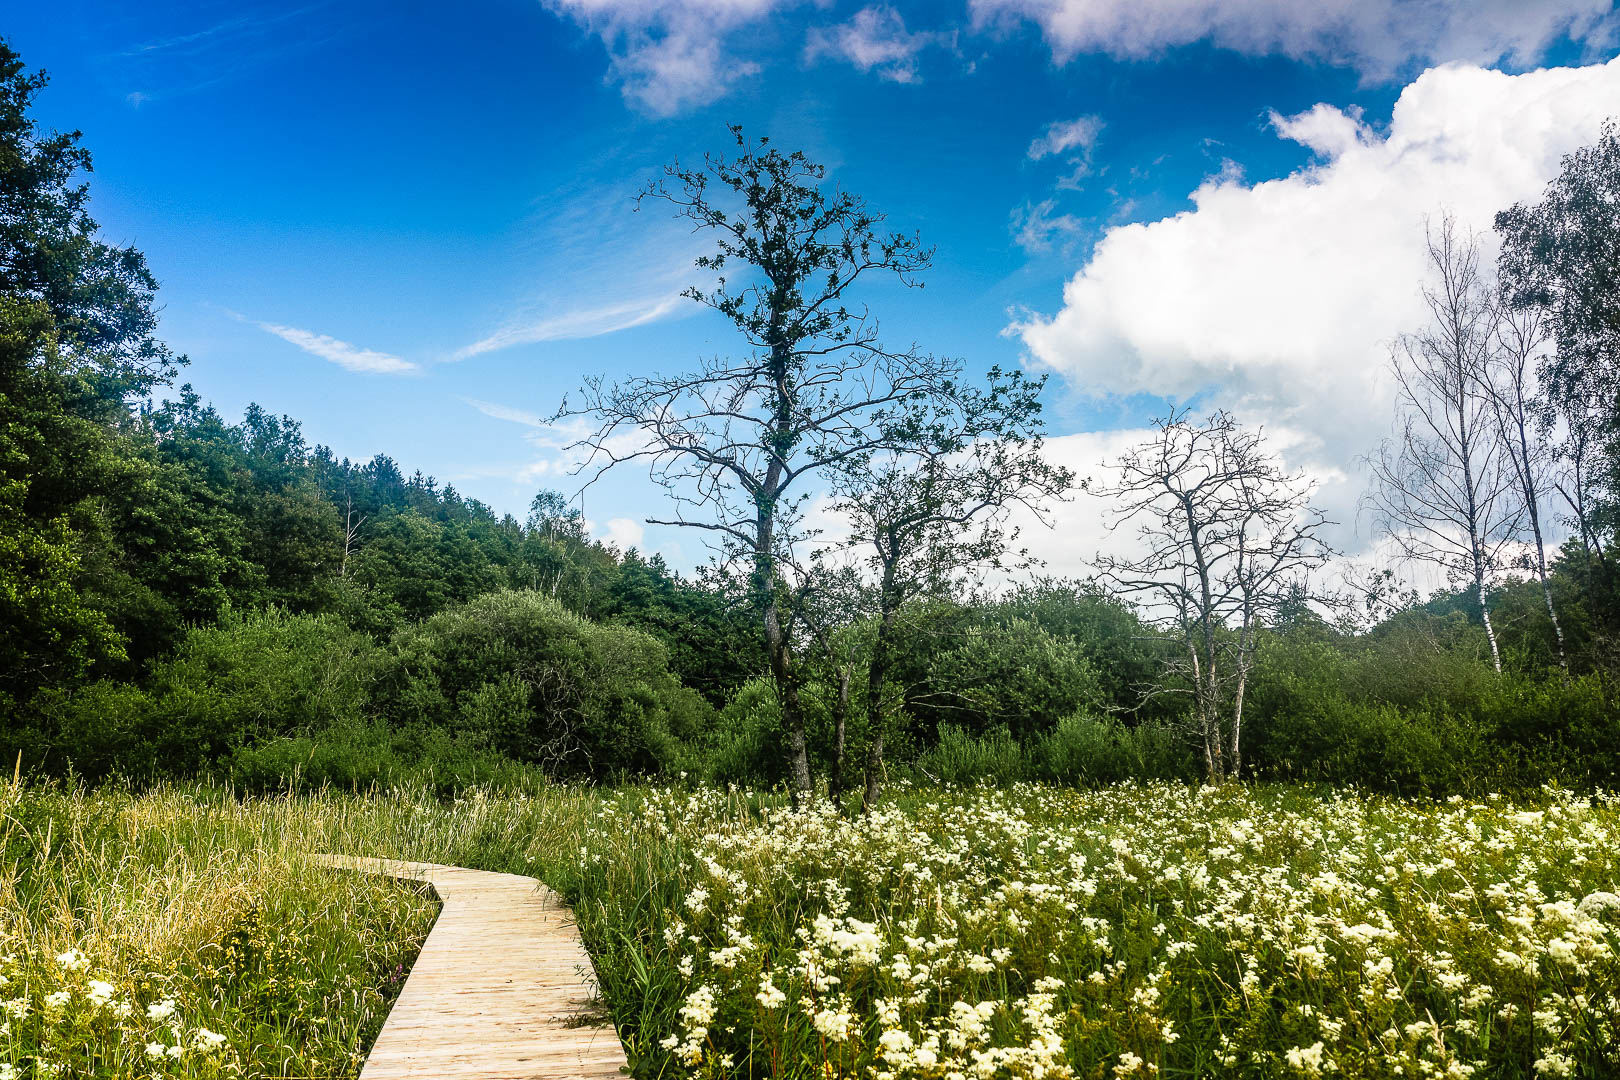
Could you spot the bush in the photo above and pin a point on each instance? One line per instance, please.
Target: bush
(1085, 750)
(517, 673)
(1016, 676)
(961, 758)
(226, 687)
(357, 756)
(745, 746)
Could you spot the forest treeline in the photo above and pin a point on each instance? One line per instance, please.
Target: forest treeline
(183, 594)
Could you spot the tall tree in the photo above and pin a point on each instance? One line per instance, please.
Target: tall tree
(76, 341)
(1443, 487)
(941, 506)
(735, 440)
(1227, 543)
(1562, 255)
(1520, 335)
(100, 297)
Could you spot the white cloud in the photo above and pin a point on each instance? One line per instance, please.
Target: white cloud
(506, 412)
(622, 533)
(352, 357)
(1038, 227)
(1279, 299)
(875, 38)
(1070, 533)
(668, 54)
(1377, 37)
(588, 323)
(1063, 135)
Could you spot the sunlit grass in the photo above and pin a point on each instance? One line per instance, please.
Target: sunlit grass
(183, 934)
(956, 934)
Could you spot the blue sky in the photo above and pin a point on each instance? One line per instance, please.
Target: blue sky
(411, 226)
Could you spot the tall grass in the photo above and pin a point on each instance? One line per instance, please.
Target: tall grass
(960, 932)
(182, 933)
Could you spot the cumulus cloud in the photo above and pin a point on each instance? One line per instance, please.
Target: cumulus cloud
(1377, 37)
(352, 357)
(876, 38)
(622, 533)
(667, 55)
(1279, 299)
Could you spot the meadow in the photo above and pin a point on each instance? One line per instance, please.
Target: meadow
(955, 933)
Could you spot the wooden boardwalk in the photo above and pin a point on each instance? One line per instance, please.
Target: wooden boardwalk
(502, 989)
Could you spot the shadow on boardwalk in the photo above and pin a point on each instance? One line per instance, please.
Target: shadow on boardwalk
(502, 989)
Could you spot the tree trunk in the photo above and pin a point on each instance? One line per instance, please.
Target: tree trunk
(1212, 754)
(1244, 663)
(835, 782)
(787, 696)
(877, 674)
(1484, 609)
(1527, 481)
(1541, 573)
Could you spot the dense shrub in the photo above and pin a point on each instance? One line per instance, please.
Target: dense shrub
(744, 744)
(1091, 751)
(516, 672)
(230, 686)
(959, 757)
(1015, 675)
(1411, 712)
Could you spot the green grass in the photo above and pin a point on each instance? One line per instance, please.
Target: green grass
(958, 933)
(182, 934)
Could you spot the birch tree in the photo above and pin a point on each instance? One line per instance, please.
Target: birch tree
(1521, 334)
(1443, 486)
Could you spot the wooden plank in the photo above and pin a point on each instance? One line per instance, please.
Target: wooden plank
(502, 989)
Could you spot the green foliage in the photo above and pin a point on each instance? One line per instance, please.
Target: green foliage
(743, 744)
(1414, 709)
(1126, 654)
(227, 687)
(516, 671)
(1088, 751)
(959, 757)
(1011, 673)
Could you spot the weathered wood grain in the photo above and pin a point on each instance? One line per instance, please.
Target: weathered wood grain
(502, 989)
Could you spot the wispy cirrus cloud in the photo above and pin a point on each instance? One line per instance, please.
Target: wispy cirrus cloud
(1064, 135)
(1075, 139)
(1038, 227)
(574, 325)
(341, 353)
(667, 55)
(496, 411)
(876, 39)
(185, 51)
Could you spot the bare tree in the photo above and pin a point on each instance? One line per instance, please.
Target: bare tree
(1583, 418)
(1521, 333)
(735, 441)
(935, 504)
(351, 530)
(1443, 487)
(1228, 540)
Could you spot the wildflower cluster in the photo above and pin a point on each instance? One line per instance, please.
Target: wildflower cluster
(1137, 931)
(167, 935)
(65, 1015)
